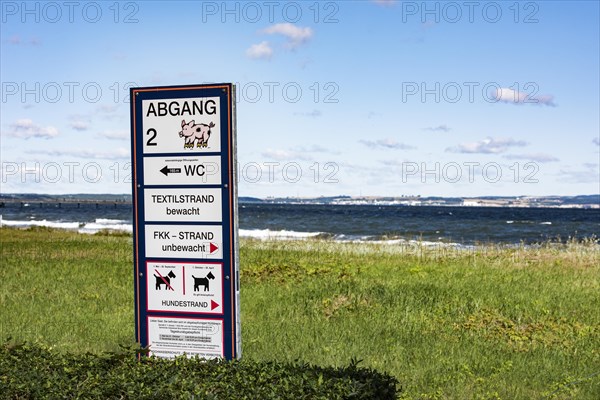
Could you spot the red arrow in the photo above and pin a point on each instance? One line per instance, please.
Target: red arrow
(213, 247)
(213, 305)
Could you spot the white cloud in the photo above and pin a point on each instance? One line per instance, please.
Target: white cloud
(112, 112)
(79, 125)
(115, 134)
(385, 3)
(507, 95)
(16, 40)
(279, 154)
(311, 114)
(589, 174)
(298, 153)
(439, 128)
(386, 143)
(537, 157)
(116, 154)
(26, 129)
(261, 50)
(106, 108)
(487, 146)
(315, 149)
(295, 35)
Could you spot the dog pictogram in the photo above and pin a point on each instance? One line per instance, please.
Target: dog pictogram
(202, 282)
(164, 280)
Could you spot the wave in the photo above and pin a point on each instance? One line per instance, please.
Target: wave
(44, 223)
(267, 234)
(110, 221)
(282, 234)
(399, 241)
(82, 227)
(106, 224)
(100, 224)
(528, 222)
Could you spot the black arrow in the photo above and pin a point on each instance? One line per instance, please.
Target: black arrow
(166, 170)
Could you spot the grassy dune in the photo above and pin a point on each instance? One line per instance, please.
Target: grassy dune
(490, 323)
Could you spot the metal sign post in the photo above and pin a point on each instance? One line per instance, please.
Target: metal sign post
(186, 275)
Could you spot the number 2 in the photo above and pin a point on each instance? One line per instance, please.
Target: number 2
(151, 141)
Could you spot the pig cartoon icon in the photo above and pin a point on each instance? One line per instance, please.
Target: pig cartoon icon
(197, 134)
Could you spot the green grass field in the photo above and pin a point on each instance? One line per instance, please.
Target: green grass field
(491, 323)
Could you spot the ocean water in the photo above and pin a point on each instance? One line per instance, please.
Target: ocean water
(429, 224)
(461, 225)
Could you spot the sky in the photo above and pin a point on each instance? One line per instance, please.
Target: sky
(358, 98)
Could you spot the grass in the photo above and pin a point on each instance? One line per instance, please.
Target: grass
(487, 323)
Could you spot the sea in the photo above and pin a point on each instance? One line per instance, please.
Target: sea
(447, 225)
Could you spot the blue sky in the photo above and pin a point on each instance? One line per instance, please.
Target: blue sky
(377, 98)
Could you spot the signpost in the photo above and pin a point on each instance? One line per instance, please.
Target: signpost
(186, 274)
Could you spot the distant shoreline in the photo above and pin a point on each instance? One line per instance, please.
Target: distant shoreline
(580, 201)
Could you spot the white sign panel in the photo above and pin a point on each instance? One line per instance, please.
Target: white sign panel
(185, 206)
(184, 241)
(204, 170)
(201, 205)
(185, 287)
(182, 125)
(170, 337)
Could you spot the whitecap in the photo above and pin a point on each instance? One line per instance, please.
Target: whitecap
(282, 234)
(45, 223)
(94, 227)
(81, 227)
(107, 221)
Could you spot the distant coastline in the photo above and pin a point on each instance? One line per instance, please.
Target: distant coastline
(579, 201)
(439, 221)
